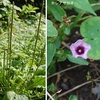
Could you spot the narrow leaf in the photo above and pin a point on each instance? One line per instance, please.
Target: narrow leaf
(81, 4)
(51, 30)
(51, 50)
(79, 60)
(56, 10)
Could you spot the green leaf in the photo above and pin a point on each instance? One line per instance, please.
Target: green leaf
(17, 8)
(73, 97)
(56, 10)
(39, 81)
(51, 30)
(10, 95)
(67, 31)
(90, 30)
(52, 66)
(78, 60)
(58, 42)
(51, 87)
(94, 53)
(6, 2)
(51, 50)
(41, 70)
(55, 97)
(84, 5)
(61, 55)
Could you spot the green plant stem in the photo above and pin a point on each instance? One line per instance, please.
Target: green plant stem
(4, 66)
(84, 18)
(38, 30)
(42, 53)
(10, 37)
(95, 4)
(80, 15)
(77, 19)
(10, 45)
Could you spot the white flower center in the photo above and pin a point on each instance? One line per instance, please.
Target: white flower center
(80, 50)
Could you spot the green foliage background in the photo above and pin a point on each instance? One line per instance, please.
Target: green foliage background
(22, 69)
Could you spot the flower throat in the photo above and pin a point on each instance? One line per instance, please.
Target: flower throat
(80, 50)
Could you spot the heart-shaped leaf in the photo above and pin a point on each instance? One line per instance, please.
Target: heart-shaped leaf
(90, 30)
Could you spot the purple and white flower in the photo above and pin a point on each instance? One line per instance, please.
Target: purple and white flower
(80, 49)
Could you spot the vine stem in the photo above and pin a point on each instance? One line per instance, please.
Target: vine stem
(76, 87)
(63, 71)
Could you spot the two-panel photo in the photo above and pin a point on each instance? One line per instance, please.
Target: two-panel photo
(49, 49)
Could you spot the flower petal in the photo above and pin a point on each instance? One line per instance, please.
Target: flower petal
(86, 45)
(80, 43)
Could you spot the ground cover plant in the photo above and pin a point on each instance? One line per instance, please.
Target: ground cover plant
(73, 51)
(22, 51)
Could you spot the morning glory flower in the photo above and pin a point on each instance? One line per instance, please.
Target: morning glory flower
(80, 49)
